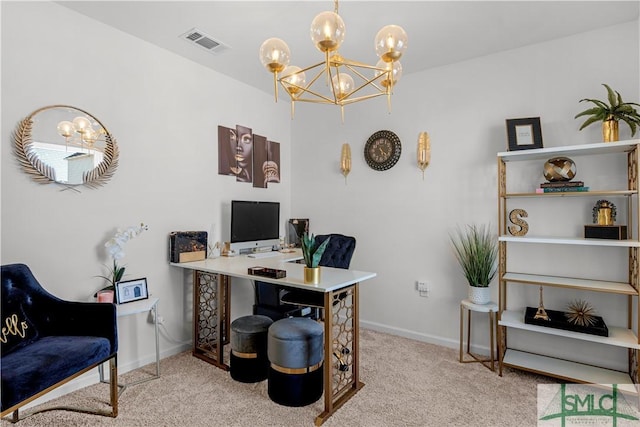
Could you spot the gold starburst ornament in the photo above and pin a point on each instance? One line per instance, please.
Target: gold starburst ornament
(581, 313)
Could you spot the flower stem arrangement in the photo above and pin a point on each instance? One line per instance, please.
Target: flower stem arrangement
(610, 112)
(476, 250)
(115, 249)
(312, 254)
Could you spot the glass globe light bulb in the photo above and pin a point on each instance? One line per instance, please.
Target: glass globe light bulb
(294, 79)
(90, 136)
(342, 85)
(396, 72)
(81, 124)
(327, 31)
(274, 55)
(65, 128)
(391, 42)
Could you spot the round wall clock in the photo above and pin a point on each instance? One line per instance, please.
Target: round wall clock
(382, 150)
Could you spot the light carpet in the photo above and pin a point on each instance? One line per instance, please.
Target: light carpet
(407, 383)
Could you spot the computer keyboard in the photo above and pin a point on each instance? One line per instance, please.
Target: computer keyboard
(264, 254)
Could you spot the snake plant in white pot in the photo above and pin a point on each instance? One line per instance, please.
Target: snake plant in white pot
(312, 254)
(476, 250)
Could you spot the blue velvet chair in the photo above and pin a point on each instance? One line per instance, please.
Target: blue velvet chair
(46, 342)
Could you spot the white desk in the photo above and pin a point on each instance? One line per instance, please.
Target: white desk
(211, 317)
(129, 309)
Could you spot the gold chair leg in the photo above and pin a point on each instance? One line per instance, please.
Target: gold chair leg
(113, 398)
(113, 385)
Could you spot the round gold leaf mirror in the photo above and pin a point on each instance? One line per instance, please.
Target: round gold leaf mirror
(66, 145)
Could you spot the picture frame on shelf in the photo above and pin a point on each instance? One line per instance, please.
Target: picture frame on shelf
(524, 133)
(131, 290)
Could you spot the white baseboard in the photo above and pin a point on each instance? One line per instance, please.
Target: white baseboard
(93, 377)
(418, 336)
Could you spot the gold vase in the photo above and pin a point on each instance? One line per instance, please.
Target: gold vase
(610, 130)
(605, 216)
(312, 275)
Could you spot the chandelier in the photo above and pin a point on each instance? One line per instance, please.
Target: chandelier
(347, 81)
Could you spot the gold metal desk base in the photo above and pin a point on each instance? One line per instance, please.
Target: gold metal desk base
(211, 320)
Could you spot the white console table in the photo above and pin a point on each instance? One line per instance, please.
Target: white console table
(130, 309)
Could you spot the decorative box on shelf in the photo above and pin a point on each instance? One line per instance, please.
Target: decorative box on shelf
(558, 320)
(187, 246)
(614, 232)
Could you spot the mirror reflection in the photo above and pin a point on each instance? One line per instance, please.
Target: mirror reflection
(66, 145)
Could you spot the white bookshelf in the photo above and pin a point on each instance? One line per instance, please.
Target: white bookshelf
(510, 318)
(571, 283)
(619, 337)
(567, 370)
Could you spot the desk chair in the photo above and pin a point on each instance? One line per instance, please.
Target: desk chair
(338, 255)
(268, 303)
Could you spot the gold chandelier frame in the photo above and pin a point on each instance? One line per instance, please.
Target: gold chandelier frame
(355, 86)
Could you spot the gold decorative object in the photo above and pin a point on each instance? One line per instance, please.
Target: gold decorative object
(559, 169)
(519, 222)
(345, 161)
(312, 275)
(610, 130)
(79, 134)
(604, 213)
(581, 313)
(541, 313)
(424, 151)
(346, 81)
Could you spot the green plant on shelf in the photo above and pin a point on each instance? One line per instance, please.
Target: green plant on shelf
(612, 109)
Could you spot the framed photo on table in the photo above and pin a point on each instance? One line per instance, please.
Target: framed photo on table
(131, 290)
(524, 134)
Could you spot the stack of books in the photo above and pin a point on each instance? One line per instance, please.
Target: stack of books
(561, 186)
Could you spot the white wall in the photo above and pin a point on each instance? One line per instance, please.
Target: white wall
(163, 111)
(402, 221)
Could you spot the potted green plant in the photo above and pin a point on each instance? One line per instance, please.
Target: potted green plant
(312, 254)
(610, 113)
(476, 250)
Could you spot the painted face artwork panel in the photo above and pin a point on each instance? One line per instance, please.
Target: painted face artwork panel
(244, 154)
(227, 146)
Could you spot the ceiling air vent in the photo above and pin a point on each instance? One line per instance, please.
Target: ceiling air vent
(204, 41)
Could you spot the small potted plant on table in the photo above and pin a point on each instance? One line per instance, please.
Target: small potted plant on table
(312, 254)
(476, 250)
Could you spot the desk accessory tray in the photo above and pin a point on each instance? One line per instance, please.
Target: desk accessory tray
(559, 321)
(272, 273)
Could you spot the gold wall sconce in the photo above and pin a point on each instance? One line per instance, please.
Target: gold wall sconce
(424, 151)
(345, 161)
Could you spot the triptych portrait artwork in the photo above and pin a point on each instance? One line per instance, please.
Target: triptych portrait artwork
(248, 157)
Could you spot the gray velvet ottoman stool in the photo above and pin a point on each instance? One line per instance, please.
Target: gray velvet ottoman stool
(249, 362)
(296, 353)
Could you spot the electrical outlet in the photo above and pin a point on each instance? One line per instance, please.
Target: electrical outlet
(152, 318)
(423, 288)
